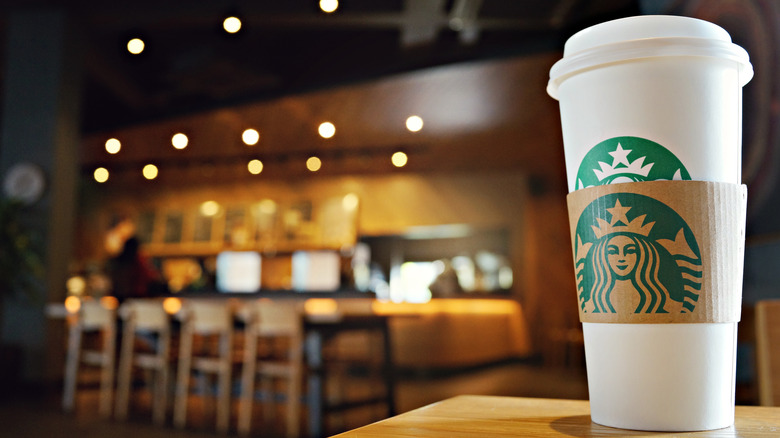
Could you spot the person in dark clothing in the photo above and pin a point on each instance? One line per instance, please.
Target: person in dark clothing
(131, 274)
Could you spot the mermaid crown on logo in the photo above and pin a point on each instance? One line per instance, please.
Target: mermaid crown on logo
(608, 163)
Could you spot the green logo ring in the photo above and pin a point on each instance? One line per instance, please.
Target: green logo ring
(628, 159)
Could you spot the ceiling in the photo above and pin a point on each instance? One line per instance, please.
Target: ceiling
(290, 46)
(480, 115)
(364, 66)
(292, 65)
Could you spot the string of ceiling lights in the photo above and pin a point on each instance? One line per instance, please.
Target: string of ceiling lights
(250, 136)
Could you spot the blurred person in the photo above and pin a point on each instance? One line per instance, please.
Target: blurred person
(131, 274)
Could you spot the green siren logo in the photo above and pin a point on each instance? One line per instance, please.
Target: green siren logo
(628, 159)
(635, 254)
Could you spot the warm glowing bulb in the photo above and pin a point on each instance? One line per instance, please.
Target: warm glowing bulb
(250, 137)
(101, 174)
(179, 141)
(326, 130)
(329, 5)
(113, 145)
(135, 46)
(171, 305)
(399, 159)
(414, 123)
(76, 285)
(150, 171)
(313, 164)
(209, 208)
(349, 201)
(319, 306)
(109, 302)
(231, 24)
(72, 304)
(255, 167)
(267, 206)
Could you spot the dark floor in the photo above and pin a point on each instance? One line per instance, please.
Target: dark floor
(38, 414)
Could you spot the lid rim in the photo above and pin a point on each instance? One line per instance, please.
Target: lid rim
(633, 50)
(642, 27)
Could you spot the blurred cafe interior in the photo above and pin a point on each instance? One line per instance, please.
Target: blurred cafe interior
(392, 168)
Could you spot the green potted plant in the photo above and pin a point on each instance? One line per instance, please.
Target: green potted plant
(21, 266)
(21, 274)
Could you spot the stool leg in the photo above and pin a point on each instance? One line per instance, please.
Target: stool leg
(125, 369)
(71, 368)
(161, 382)
(269, 404)
(294, 385)
(247, 384)
(182, 379)
(223, 402)
(388, 368)
(107, 371)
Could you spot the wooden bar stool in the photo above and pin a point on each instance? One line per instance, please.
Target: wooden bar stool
(203, 317)
(275, 321)
(89, 316)
(148, 317)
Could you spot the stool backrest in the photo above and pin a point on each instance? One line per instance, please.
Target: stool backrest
(277, 317)
(92, 315)
(147, 314)
(208, 316)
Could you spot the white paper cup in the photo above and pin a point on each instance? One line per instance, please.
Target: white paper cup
(648, 98)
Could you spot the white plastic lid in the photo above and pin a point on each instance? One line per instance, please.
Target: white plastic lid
(644, 37)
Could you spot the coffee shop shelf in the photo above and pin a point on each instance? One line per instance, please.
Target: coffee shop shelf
(212, 249)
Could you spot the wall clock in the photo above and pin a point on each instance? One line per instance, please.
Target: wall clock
(25, 182)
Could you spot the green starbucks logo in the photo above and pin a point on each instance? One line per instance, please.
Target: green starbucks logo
(635, 254)
(628, 159)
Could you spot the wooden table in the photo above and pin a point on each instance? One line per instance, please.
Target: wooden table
(491, 416)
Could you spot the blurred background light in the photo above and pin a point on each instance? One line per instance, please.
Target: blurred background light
(350, 201)
(250, 137)
(179, 141)
(72, 304)
(109, 302)
(326, 130)
(101, 174)
(76, 285)
(135, 46)
(171, 305)
(329, 5)
(231, 24)
(150, 171)
(255, 167)
(267, 206)
(313, 164)
(113, 145)
(209, 208)
(399, 159)
(414, 123)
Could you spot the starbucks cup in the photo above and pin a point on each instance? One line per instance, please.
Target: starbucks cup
(645, 100)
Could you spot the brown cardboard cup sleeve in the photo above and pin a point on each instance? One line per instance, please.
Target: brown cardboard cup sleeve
(659, 251)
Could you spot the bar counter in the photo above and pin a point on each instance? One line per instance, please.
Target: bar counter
(442, 333)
